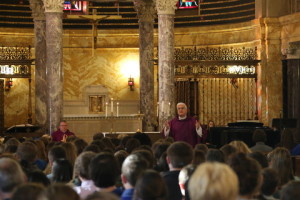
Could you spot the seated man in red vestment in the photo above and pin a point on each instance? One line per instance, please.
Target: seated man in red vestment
(62, 132)
(184, 128)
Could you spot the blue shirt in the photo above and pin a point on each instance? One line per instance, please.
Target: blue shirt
(127, 194)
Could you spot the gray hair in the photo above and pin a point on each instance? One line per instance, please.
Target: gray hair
(181, 103)
(133, 166)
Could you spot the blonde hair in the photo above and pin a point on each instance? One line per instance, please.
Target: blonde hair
(210, 181)
(241, 146)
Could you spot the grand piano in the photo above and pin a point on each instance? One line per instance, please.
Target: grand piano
(218, 136)
(23, 130)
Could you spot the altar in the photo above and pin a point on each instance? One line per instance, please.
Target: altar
(86, 125)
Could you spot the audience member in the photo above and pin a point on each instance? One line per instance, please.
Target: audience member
(213, 181)
(11, 145)
(183, 179)
(59, 191)
(93, 148)
(99, 143)
(55, 153)
(147, 155)
(132, 144)
(143, 138)
(215, 155)
(291, 191)
(198, 157)
(133, 166)
(162, 164)
(108, 144)
(102, 196)
(121, 156)
(269, 185)
(104, 171)
(228, 150)
(27, 155)
(280, 160)
(158, 148)
(169, 139)
(62, 171)
(82, 170)
(71, 152)
(202, 147)
(241, 146)
(150, 186)
(259, 137)
(29, 191)
(38, 177)
(80, 144)
(249, 174)
(11, 176)
(179, 154)
(41, 150)
(98, 136)
(260, 158)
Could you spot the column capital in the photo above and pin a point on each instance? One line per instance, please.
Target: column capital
(166, 7)
(38, 11)
(54, 5)
(145, 9)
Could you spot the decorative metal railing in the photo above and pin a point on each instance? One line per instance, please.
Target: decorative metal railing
(15, 62)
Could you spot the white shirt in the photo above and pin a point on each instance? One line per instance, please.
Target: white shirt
(87, 187)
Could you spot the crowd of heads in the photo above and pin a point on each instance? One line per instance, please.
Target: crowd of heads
(41, 169)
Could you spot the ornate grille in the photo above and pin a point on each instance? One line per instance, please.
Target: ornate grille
(15, 62)
(216, 54)
(15, 53)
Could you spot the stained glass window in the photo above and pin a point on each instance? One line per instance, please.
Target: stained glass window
(187, 4)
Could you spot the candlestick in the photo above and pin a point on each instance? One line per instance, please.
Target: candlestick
(112, 106)
(117, 109)
(106, 104)
(157, 109)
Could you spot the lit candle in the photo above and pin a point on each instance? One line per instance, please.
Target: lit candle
(106, 104)
(112, 106)
(117, 109)
(157, 109)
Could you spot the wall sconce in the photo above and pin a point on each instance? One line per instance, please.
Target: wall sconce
(131, 83)
(8, 84)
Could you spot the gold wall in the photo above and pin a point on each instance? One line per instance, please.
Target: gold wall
(104, 65)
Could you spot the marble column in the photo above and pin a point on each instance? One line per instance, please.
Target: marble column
(146, 12)
(271, 71)
(166, 91)
(38, 15)
(54, 62)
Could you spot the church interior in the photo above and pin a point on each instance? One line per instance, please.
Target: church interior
(123, 65)
(149, 99)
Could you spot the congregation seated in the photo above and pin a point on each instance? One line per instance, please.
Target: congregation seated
(100, 171)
